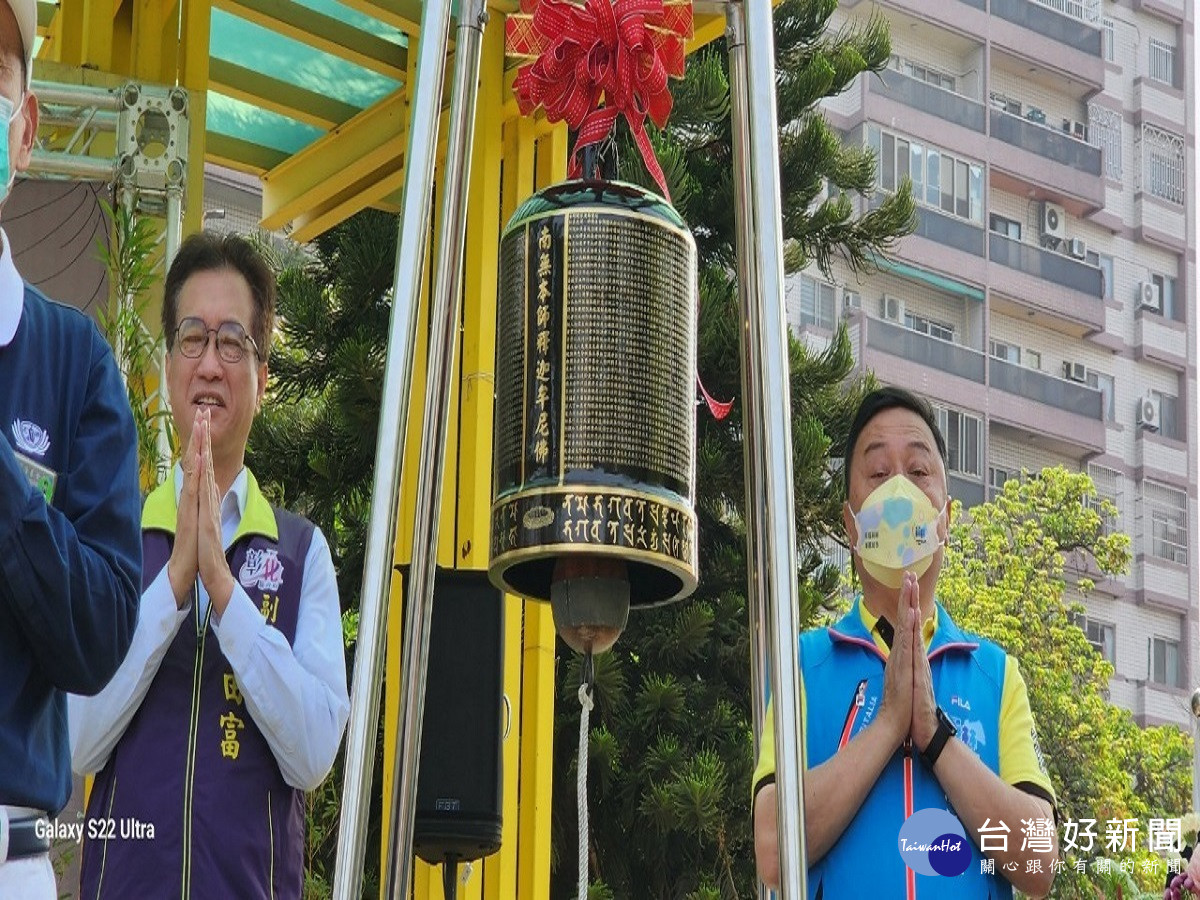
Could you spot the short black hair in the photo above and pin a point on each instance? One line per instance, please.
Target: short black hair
(206, 251)
(878, 401)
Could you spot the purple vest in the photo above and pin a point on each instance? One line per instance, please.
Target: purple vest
(193, 764)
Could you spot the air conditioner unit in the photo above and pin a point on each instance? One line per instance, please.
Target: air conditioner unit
(1149, 296)
(1180, 555)
(1054, 221)
(851, 299)
(891, 308)
(1074, 371)
(1075, 128)
(1148, 413)
(1078, 248)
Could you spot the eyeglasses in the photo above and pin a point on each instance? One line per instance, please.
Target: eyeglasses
(191, 337)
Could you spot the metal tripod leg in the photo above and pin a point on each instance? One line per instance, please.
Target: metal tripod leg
(410, 252)
(767, 417)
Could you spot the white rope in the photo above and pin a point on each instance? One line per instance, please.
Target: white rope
(581, 765)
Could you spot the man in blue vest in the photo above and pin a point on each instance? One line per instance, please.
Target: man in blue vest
(233, 700)
(70, 560)
(903, 712)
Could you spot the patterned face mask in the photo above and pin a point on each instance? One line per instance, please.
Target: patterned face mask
(898, 531)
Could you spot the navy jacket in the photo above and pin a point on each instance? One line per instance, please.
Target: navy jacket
(70, 568)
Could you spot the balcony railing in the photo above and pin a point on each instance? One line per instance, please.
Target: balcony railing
(945, 356)
(1033, 385)
(1046, 264)
(1046, 142)
(949, 231)
(1050, 22)
(931, 99)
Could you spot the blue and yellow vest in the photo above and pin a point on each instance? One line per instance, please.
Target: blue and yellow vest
(843, 685)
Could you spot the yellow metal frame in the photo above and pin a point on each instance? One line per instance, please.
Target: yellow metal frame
(359, 163)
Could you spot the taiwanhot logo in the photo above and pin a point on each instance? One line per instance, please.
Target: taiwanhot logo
(933, 842)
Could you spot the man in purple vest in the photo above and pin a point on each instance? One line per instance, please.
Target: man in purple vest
(232, 700)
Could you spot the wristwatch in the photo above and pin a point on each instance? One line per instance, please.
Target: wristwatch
(945, 731)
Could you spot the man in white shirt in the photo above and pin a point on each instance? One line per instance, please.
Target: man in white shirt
(233, 699)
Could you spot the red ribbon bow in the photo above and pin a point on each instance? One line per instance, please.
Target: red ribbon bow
(622, 52)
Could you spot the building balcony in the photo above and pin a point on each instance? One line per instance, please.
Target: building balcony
(1049, 23)
(930, 352)
(927, 98)
(1047, 159)
(967, 492)
(1064, 416)
(950, 231)
(1019, 272)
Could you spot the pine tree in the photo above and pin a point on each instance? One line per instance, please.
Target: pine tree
(670, 744)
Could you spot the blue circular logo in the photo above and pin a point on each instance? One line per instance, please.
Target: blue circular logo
(933, 842)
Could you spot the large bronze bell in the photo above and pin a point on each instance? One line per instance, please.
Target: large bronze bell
(595, 421)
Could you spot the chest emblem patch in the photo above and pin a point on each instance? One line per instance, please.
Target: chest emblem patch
(30, 438)
(262, 569)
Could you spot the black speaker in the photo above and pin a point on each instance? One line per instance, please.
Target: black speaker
(459, 784)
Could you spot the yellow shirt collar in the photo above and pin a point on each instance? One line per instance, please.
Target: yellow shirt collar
(928, 628)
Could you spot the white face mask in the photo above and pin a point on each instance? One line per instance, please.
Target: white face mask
(898, 531)
(9, 115)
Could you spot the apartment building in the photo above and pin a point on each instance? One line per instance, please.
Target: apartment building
(1046, 302)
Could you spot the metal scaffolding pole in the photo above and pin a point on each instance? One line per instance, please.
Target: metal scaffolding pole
(767, 425)
(410, 253)
(443, 341)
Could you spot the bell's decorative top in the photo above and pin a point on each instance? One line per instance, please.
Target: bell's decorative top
(618, 51)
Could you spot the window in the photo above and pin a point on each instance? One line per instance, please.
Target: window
(940, 180)
(1164, 662)
(1166, 291)
(1168, 415)
(1108, 278)
(996, 478)
(1007, 352)
(1007, 227)
(1104, 131)
(1033, 359)
(939, 330)
(1163, 164)
(1101, 635)
(963, 445)
(817, 304)
(1110, 486)
(1106, 385)
(925, 73)
(1109, 40)
(1166, 508)
(1162, 62)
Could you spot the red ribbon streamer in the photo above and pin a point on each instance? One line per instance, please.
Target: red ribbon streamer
(618, 51)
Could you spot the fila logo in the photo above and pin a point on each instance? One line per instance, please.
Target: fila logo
(30, 438)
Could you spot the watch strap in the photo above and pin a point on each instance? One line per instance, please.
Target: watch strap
(945, 731)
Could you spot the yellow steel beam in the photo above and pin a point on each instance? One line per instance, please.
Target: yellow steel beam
(242, 155)
(370, 142)
(404, 15)
(261, 90)
(323, 32)
(193, 75)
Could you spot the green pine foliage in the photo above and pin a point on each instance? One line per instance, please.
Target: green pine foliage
(670, 757)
